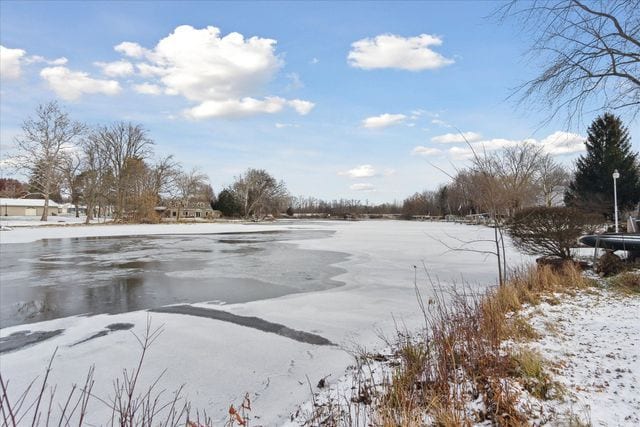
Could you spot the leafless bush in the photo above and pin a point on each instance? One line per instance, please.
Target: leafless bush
(129, 405)
(549, 231)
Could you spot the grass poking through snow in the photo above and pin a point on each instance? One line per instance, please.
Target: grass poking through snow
(467, 368)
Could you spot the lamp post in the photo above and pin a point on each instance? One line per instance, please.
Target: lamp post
(616, 175)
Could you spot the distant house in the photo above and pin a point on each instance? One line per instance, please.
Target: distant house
(192, 210)
(27, 207)
(70, 208)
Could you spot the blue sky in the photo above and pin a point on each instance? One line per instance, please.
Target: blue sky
(340, 100)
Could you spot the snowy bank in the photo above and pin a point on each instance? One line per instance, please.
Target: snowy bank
(584, 343)
(594, 339)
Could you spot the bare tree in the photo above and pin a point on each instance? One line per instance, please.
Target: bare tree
(41, 147)
(95, 178)
(590, 51)
(425, 203)
(190, 185)
(552, 178)
(120, 144)
(70, 169)
(517, 169)
(164, 176)
(259, 193)
(498, 184)
(460, 195)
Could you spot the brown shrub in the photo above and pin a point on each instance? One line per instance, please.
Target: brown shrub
(627, 282)
(463, 359)
(548, 231)
(609, 264)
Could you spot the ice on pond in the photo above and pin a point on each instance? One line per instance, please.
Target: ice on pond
(49, 279)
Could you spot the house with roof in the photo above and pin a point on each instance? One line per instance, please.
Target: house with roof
(190, 210)
(27, 207)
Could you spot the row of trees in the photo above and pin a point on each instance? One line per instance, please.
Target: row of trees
(504, 182)
(500, 182)
(108, 168)
(111, 168)
(11, 187)
(257, 194)
(341, 207)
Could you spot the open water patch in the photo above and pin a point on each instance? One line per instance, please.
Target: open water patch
(56, 278)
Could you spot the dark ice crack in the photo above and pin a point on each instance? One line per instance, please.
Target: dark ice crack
(248, 321)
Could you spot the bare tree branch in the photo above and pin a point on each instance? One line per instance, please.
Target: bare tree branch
(589, 52)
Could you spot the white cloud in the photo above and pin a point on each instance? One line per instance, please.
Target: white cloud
(455, 138)
(362, 187)
(461, 153)
(425, 151)
(557, 143)
(480, 147)
(147, 70)
(362, 171)
(10, 62)
(286, 125)
(235, 108)
(392, 51)
(71, 85)
(34, 59)
(383, 120)
(58, 61)
(302, 107)
(389, 172)
(116, 68)
(440, 122)
(295, 82)
(314, 61)
(148, 89)
(224, 74)
(563, 143)
(133, 50)
(203, 65)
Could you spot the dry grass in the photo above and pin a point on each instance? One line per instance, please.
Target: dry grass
(534, 371)
(464, 360)
(628, 282)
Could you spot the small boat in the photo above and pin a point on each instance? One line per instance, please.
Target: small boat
(613, 241)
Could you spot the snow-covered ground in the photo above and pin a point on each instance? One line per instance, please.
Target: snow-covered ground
(34, 221)
(590, 342)
(594, 338)
(220, 361)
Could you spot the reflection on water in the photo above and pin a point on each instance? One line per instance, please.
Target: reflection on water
(62, 277)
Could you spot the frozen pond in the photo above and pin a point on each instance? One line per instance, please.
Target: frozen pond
(267, 346)
(55, 278)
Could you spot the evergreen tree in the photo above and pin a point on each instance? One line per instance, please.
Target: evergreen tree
(608, 148)
(227, 204)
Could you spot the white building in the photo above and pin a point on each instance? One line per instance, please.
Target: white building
(27, 207)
